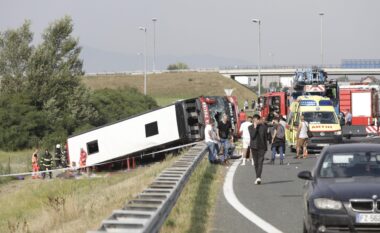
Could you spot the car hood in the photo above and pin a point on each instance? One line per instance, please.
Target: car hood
(348, 188)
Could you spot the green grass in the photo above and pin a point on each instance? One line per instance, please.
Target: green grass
(193, 211)
(168, 87)
(164, 101)
(14, 162)
(74, 205)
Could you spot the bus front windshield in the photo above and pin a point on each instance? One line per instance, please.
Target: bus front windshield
(320, 117)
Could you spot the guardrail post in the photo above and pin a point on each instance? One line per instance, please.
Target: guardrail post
(148, 211)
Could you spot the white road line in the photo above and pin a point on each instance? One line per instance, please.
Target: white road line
(230, 196)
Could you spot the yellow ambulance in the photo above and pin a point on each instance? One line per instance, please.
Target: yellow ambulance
(323, 122)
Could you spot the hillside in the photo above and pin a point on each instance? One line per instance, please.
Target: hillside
(168, 87)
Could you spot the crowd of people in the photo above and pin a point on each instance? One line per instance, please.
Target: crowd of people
(43, 163)
(257, 136)
(219, 139)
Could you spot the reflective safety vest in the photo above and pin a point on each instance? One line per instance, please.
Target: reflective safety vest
(46, 161)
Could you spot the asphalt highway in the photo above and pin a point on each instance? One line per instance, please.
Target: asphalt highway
(277, 201)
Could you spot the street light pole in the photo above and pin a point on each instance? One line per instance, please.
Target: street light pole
(258, 21)
(321, 14)
(141, 60)
(154, 44)
(145, 45)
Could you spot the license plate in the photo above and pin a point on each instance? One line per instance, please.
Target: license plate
(322, 145)
(367, 218)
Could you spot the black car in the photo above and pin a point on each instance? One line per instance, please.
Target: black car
(343, 190)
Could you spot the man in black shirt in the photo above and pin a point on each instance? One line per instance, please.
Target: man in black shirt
(258, 133)
(225, 135)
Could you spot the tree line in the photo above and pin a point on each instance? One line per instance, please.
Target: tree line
(42, 98)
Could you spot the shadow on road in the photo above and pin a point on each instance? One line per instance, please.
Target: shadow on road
(202, 201)
(277, 182)
(291, 195)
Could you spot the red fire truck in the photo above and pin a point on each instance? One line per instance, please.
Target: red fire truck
(362, 100)
(276, 102)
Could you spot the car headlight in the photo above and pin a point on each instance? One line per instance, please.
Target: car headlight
(327, 204)
(338, 132)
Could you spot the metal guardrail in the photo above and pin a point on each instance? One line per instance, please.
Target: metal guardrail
(148, 211)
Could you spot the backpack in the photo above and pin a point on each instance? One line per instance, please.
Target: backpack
(280, 132)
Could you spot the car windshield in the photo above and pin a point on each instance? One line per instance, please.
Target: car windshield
(343, 165)
(320, 117)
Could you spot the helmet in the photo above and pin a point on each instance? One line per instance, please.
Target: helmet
(58, 146)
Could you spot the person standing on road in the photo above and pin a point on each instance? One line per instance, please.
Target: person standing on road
(302, 138)
(225, 135)
(242, 116)
(253, 104)
(258, 143)
(278, 141)
(246, 139)
(211, 141)
(348, 117)
(246, 104)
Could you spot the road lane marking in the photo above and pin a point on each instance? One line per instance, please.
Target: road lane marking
(231, 198)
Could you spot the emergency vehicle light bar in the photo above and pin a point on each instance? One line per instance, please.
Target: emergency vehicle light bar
(308, 103)
(325, 103)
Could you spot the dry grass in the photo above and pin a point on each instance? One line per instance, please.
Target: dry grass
(193, 211)
(18, 161)
(70, 205)
(167, 87)
(14, 162)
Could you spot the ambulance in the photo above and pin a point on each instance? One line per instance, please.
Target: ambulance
(323, 122)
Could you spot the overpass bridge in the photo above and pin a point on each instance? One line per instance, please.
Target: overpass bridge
(287, 72)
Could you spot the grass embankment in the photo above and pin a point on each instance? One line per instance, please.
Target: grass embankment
(193, 211)
(168, 87)
(70, 205)
(15, 162)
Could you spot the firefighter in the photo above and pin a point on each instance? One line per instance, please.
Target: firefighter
(58, 155)
(46, 162)
(64, 157)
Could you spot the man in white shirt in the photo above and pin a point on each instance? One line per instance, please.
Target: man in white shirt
(211, 141)
(246, 139)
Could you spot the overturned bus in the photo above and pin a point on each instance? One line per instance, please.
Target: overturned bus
(180, 123)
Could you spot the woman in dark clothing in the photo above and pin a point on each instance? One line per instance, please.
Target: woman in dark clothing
(278, 141)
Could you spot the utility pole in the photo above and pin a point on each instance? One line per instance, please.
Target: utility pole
(145, 53)
(154, 44)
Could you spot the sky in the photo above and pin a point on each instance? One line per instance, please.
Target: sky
(208, 33)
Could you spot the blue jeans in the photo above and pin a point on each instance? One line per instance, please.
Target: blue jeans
(225, 143)
(274, 152)
(212, 151)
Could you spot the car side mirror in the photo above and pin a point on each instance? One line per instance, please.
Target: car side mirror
(305, 175)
